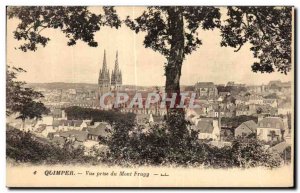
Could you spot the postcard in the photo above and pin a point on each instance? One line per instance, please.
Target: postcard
(158, 96)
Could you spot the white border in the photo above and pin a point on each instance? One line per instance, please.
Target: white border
(4, 3)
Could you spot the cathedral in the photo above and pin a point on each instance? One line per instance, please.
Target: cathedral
(109, 83)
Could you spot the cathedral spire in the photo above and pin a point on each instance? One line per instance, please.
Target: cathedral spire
(116, 75)
(104, 67)
(117, 63)
(104, 78)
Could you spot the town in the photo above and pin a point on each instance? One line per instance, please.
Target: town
(224, 111)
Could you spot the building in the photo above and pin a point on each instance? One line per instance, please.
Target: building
(270, 129)
(97, 131)
(271, 102)
(67, 125)
(255, 99)
(207, 128)
(74, 135)
(104, 78)
(245, 129)
(242, 110)
(206, 90)
(107, 83)
(277, 85)
(116, 76)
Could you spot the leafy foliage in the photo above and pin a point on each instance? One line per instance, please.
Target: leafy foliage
(156, 21)
(156, 147)
(25, 147)
(129, 146)
(76, 22)
(96, 115)
(20, 99)
(267, 29)
(171, 31)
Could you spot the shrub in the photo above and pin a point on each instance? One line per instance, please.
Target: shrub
(25, 147)
(156, 147)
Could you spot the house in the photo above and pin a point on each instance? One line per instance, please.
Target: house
(283, 149)
(267, 110)
(206, 90)
(280, 147)
(270, 129)
(67, 125)
(245, 129)
(243, 110)
(73, 135)
(192, 114)
(241, 100)
(207, 128)
(256, 99)
(43, 130)
(272, 102)
(100, 129)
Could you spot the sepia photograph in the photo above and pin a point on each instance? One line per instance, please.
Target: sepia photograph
(150, 96)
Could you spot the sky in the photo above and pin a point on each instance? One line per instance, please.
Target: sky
(58, 62)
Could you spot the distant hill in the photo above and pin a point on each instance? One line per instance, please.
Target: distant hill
(63, 85)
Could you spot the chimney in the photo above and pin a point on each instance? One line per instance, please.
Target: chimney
(285, 123)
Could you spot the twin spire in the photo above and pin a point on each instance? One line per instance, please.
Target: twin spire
(104, 76)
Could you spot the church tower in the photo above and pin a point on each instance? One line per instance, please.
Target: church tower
(104, 78)
(116, 76)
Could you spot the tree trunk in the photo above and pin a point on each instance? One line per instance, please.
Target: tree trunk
(175, 117)
(176, 55)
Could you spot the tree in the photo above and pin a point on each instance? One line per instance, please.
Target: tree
(32, 110)
(20, 99)
(267, 29)
(76, 22)
(172, 31)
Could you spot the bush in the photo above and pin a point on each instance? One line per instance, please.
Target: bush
(150, 145)
(25, 147)
(156, 147)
